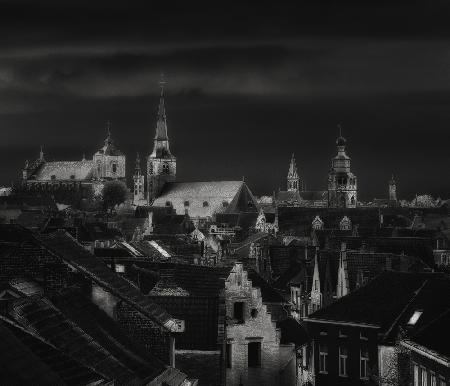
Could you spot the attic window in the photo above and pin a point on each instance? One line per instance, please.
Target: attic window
(250, 204)
(414, 318)
(225, 204)
(205, 204)
(168, 203)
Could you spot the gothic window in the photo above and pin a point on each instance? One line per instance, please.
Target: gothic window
(352, 200)
(114, 168)
(165, 168)
(364, 363)
(229, 353)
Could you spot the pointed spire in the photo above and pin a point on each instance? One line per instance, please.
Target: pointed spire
(41, 154)
(340, 141)
(137, 169)
(293, 167)
(161, 125)
(84, 157)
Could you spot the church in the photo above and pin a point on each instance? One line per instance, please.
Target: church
(107, 164)
(201, 201)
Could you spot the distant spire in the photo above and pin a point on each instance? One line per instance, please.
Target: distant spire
(108, 139)
(137, 169)
(84, 157)
(41, 154)
(292, 167)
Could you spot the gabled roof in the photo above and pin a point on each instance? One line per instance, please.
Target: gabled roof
(64, 171)
(68, 249)
(206, 198)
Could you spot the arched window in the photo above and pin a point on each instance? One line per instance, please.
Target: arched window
(205, 204)
(352, 200)
(165, 168)
(114, 168)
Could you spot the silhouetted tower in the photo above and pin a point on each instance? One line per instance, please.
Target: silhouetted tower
(293, 180)
(161, 164)
(392, 189)
(139, 185)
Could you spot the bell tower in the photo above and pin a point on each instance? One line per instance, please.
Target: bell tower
(138, 182)
(161, 164)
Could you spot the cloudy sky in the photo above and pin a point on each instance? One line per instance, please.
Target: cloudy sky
(247, 85)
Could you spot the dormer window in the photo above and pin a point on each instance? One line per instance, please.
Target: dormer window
(414, 318)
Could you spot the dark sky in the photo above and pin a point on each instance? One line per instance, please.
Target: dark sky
(248, 84)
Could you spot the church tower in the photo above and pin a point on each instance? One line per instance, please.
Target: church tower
(293, 180)
(342, 183)
(138, 180)
(109, 161)
(392, 189)
(161, 164)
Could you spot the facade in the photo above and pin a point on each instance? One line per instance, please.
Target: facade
(342, 183)
(161, 164)
(254, 353)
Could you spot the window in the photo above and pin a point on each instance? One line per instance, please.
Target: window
(323, 358)
(254, 354)
(168, 203)
(424, 376)
(165, 168)
(363, 335)
(150, 168)
(238, 311)
(343, 355)
(186, 203)
(120, 268)
(254, 312)
(342, 334)
(53, 177)
(72, 177)
(414, 318)
(250, 204)
(205, 204)
(224, 204)
(114, 168)
(416, 375)
(364, 363)
(432, 379)
(229, 353)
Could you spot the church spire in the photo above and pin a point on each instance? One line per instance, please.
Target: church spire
(108, 139)
(41, 154)
(292, 177)
(161, 125)
(137, 168)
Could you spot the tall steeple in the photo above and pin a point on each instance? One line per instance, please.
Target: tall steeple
(392, 189)
(292, 177)
(137, 168)
(161, 164)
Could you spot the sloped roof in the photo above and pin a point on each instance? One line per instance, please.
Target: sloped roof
(64, 170)
(378, 303)
(214, 193)
(68, 249)
(28, 359)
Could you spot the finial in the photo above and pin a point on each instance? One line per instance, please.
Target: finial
(108, 128)
(340, 129)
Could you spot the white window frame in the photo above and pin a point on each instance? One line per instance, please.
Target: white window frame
(365, 360)
(343, 358)
(415, 375)
(423, 376)
(323, 359)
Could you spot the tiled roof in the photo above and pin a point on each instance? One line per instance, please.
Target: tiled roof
(214, 193)
(64, 170)
(65, 247)
(28, 359)
(379, 302)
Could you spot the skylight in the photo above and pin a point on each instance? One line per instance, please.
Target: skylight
(414, 318)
